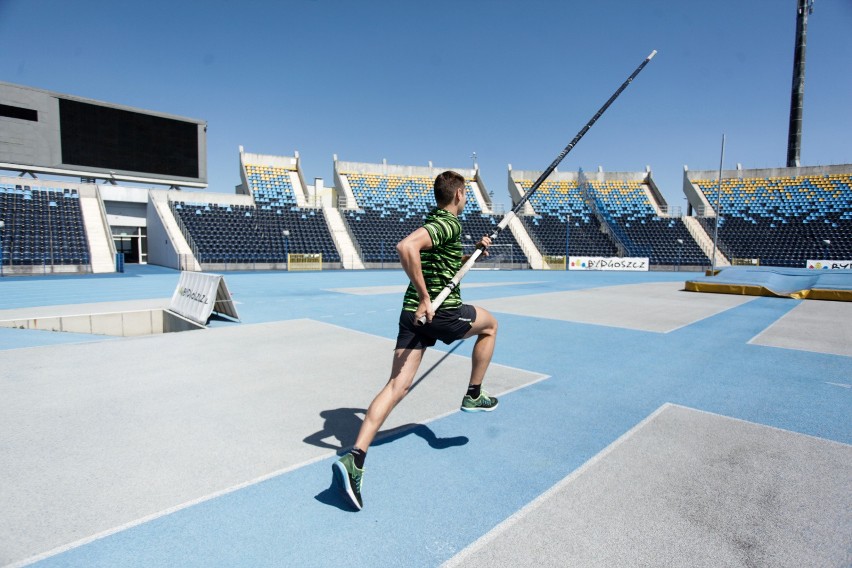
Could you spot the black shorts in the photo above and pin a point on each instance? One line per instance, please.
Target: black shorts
(447, 325)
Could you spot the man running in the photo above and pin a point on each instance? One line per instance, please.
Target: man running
(430, 256)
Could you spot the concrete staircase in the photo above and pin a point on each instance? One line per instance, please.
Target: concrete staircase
(101, 245)
(704, 240)
(177, 254)
(526, 243)
(337, 226)
(298, 190)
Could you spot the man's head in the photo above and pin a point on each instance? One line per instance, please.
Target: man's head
(449, 185)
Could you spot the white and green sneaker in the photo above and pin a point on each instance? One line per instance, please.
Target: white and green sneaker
(348, 479)
(483, 403)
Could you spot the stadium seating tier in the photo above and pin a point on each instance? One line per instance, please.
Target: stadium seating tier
(782, 221)
(42, 226)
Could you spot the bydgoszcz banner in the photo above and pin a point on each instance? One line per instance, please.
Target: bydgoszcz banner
(829, 264)
(634, 264)
(198, 295)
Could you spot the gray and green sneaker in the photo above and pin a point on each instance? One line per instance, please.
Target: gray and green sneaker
(483, 403)
(348, 478)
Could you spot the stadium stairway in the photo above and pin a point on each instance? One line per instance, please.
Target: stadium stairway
(167, 226)
(348, 255)
(530, 250)
(515, 226)
(704, 241)
(298, 189)
(101, 246)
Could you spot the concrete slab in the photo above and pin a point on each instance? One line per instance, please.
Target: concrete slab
(819, 326)
(91, 443)
(688, 488)
(657, 306)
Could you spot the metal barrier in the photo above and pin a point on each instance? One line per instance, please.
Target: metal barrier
(555, 262)
(745, 261)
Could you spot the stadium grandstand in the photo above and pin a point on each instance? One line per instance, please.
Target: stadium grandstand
(776, 217)
(781, 217)
(609, 214)
(270, 221)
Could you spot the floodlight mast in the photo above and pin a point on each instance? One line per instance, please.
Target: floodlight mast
(797, 95)
(454, 282)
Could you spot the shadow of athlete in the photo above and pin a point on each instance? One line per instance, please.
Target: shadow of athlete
(343, 425)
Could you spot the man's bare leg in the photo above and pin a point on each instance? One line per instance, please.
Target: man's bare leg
(349, 470)
(485, 327)
(405, 365)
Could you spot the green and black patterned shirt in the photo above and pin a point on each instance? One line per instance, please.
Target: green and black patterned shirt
(441, 262)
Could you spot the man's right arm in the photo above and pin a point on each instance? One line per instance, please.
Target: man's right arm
(409, 250)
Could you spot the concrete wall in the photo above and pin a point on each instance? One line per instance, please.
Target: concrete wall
(162, 250)
(125, 206)
(396, 170)
(118, 324)
(173, 323)
(27, 142)
(770, 172)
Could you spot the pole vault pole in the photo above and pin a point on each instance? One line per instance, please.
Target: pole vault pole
(454, 282)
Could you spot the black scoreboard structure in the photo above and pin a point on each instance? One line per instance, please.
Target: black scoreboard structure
(52, 133)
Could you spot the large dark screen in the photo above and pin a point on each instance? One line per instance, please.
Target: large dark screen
(115, 139)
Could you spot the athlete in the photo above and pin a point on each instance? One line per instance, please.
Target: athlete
(430, 256)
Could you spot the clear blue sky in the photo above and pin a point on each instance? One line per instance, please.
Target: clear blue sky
(439, 80)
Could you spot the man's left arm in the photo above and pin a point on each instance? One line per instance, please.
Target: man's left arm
(483, 244)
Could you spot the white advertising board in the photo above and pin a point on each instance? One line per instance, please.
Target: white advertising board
(198, 295)
(634, 264)
(829, 264)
